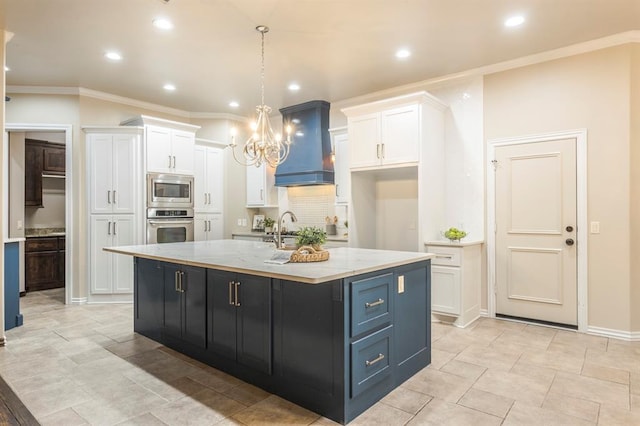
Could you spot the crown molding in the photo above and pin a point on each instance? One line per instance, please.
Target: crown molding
(131, 102)
(562, 52)
(219, 116)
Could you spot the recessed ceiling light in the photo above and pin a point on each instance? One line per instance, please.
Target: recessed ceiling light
(113, 56)
(294, 87)
(169, 87)
(163, 24)
(6, 68)
(403, 54)
(234, 104)
(299, 134)
(514, 21)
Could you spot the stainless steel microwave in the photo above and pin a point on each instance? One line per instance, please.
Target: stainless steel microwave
(169, 190)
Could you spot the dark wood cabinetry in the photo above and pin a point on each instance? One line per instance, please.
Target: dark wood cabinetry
(44, 263)
(185, 301)
(40, 157)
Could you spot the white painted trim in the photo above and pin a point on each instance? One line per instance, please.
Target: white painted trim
(633, 336)
(78, 300)
(580, 135)
(484, 313)
(211, 142)
(70, 249)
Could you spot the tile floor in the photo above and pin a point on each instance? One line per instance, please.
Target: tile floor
(76, 365)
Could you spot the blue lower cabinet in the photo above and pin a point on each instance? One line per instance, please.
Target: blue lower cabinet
(370, 360)
(12, 316)
(371, 304)
(185, 298)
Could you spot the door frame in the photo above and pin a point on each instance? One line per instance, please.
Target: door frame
(69, 196)
(580, 136)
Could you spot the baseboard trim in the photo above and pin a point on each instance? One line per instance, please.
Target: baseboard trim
(484, 313)
(631, 336)
(78, 300)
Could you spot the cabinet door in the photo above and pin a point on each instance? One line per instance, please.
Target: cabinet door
(123, 235)
(342, 174)
(215, 226)
(254, 322)
(256, 185)
(194, 315)
(101, 173)
(101, 266)
(172, 301)
(158, 148)
(364, 141)
(401, 135)
(445, 289)
(124, 169)
(182, 145)
(221, 313)
(215, 175)
(54, 160)
(200, 227)
(412, 320)
(32, 174)
(200, 181)
(148, 298)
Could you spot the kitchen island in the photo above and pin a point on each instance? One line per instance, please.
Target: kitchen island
(333, 336)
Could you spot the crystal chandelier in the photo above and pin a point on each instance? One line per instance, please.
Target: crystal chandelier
(263, 146)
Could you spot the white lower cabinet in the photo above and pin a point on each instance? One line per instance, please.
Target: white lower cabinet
(110, 273)
(456, 280)
(207, 226)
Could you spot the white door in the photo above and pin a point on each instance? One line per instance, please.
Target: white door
(364, 137)
(200, 227)
(182, 146)
(256, 185)
(401, 135)
(200, 187)
(536, 261)
(214, 176)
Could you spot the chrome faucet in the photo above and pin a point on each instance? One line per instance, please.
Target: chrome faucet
(278, 239)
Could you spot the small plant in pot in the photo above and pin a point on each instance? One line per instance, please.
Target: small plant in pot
(268, 224)
(454, 234)
(311, 236)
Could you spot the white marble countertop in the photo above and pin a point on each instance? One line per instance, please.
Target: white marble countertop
(13, 240)
(248, 257)
(262, 234)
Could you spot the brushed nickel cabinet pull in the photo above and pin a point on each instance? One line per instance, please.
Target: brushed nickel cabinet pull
(372, 304)
(237, 301)
(377, 150)
(174, 161)
(114, 228)
(169, 161)
(109, 197)
(444, 256)
(382, 150)
(114, 197)
(181, 281)
(176, 278)
(108, 228)
(231, 284)
(376, 360)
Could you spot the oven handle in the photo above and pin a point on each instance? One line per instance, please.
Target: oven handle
(169, 221)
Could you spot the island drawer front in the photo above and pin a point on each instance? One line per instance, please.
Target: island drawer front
(41, 244)
(445, 256)
(370, 361)
(371, 303)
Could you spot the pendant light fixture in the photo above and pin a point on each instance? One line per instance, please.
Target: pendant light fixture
(263, 146)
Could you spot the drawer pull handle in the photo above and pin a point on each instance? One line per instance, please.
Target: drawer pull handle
(372, 304)
(376, 360)
(442, 256)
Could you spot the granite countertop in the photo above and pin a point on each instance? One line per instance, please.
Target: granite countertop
(249, 256)
(44, 232)
(288, 235)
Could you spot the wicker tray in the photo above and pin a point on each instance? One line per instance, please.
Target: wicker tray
(309, 254)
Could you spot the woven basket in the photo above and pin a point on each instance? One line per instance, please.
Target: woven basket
(309, 254)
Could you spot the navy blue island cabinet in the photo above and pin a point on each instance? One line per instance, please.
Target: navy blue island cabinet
(335, 347)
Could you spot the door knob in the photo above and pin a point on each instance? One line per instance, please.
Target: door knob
(569, 228)
(569, 241)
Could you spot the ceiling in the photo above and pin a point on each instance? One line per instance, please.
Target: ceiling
(334, 49)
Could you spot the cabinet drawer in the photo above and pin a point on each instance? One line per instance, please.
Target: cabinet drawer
(445, 256)
(371, 303)
(41, 244)
(370, 361)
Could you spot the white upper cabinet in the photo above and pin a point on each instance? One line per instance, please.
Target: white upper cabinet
(169, 145)
(341, 165)
(261, 191)
(112, 163)
(387, 133)
(208, 179)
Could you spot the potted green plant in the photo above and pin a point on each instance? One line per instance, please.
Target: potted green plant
(268, 224)
(454, 234)
(311, 236)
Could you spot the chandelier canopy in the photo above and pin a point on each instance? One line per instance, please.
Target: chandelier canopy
(263, 146)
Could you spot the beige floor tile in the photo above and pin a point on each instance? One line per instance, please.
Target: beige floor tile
(522, 414)
(606, 373)
(500, 324)
(323, 421)
(613, 416)
(202, 408)
(90, 355)
(406, 400)
(596, 390)
(51, 399)
(490, 357)
(439, 384)
(443, 413)
(486, 402)
(440, 358)
(634, 379)
(246, 394)
(523, 337)
(41, 382)
(382, 414)
(463, 369)
(275, 410)
(219, 382)
(66, 417)
(132, 347)
(525, 368)
(146, 419)
(581, 408)
(614, 359)
(457, 342)
(560, 361)
(525, 389)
